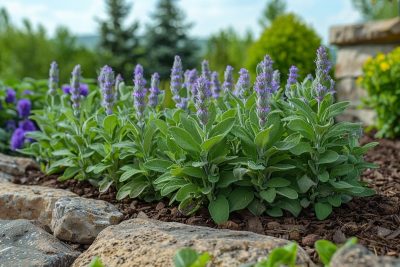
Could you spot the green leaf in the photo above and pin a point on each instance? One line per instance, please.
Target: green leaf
(262, 138)
(129, 173)
(197, 172)
(240, 198)
(268, 195)
(69, 173)
(210, 143)
(335, 200)
(324, 176)
(184, 139)
(325, 250)
(63, 152)
(277, 182)
(342, 170)
(188, 257)
(158, 165)
(140, 184)
(301, 148)
(322, 210)
(96, 262)
(186, 191)
(256, 207)
(109, 123)
(219, 209)
(287, 192)
(293, 206)
(148, 138)
(223, 127)
(302, 127)
(280, 167)
(328, 156)
(289, 142)
(305, 183)
(275, 212)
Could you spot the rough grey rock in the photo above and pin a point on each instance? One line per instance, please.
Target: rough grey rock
(22, 244)
(29, 202)
(359, 256)
(382, 31)
(15, 166)
(80, 220)
(146, 242)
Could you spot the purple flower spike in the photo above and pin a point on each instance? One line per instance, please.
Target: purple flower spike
(53, 78)
(292, 78)
(183, 104)
(75, 89)
(10, 125)
(276, 81)
(264, 87)
(27, 125)
(190, 79)
(118, 82)
(215, 85)
(176, 80)
(10, 96)
(24, 108)
(201, 103)
(17, 139)
(205, 70)
(322, 77)
(228, 82)
(139, 92)
(154, 90)
(243, 84)
(84, 89)
(107, 82)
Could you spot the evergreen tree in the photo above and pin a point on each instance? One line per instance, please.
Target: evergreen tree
(272, 10)
(166, 37)
(118, 42)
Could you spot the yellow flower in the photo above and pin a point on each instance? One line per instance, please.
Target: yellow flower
(380, 57)
(359, 80)
(384, 66)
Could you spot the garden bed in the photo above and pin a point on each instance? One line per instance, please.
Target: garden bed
(373, 220)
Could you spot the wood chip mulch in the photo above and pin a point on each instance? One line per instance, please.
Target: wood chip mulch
(375, 220)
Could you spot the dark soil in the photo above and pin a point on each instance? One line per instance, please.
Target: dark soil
(375, 220)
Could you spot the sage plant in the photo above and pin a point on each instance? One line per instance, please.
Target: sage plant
(227, 86)
(202, 98)
(53, 78)
(264, 87)
(176, 80)
(215, 85)
(243, 84)
(154, 90)
(76, 88)
(205, 70)
(107, 82)
(139, 92)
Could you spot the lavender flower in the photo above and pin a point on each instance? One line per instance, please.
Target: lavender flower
(139, 92)
(243, 84)
(205, 70)
(27, 92)
(66, 88)
(53, 78)
(276, 81)
(264, 87)
(183, 104)
(76, 88)
(107, 82)
(10, 95)
(215, 85)
(17, 139)
(292, 78)
(322, 77)
(176, 80)
(190, 79)
(201, 103)
(24, 108)
(154, 90)
(10, 125)
(118, 83)
(27, 125)
(228, 82)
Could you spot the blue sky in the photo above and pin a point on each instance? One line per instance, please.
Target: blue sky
(208, 16)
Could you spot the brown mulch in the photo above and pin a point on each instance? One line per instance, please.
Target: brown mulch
(375, 220)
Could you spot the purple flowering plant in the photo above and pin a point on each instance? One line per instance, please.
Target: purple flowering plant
(268, 146)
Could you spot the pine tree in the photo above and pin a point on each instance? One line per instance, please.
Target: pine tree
(118, 42)
(167, 37)
(272, 10)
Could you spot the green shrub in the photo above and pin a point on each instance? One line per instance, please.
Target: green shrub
(381, 80)
(290, 42)
(276, 149)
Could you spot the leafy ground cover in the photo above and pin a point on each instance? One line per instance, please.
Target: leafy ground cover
(373, 220)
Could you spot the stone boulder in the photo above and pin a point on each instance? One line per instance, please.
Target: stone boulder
(376, 32)
(80, 220)
(24, 244)
(359, 256)
(146, 242)
(15, 166)
(29, 202)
